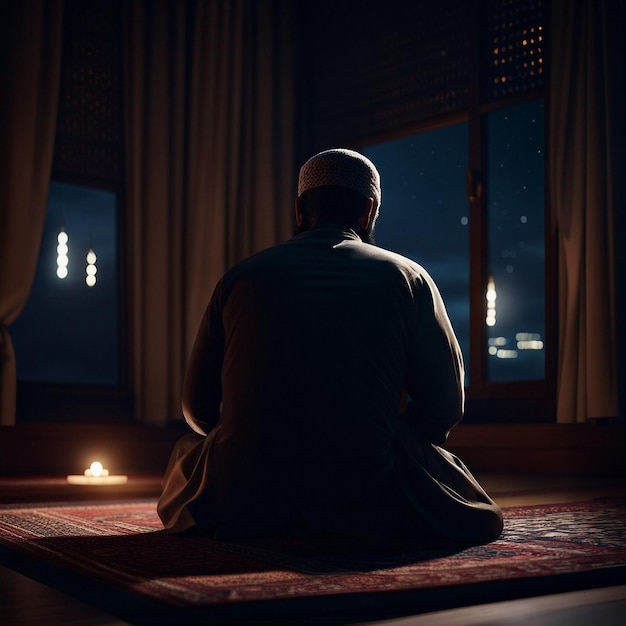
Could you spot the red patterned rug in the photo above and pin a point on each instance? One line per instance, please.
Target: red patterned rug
(115, 556)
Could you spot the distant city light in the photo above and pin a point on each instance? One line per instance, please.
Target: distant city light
(506, 354)
(498, 341)
(530, 345)
(523, 341)
(529, 341)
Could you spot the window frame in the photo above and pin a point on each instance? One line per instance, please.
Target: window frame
(532, 401)
(505, 402)
(89, 403)
(528, 401)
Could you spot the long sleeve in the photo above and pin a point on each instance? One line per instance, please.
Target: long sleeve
(435, 370)
(202, 388)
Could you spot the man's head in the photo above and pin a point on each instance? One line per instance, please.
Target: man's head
(339, 186)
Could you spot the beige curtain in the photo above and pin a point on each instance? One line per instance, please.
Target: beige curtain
(30, 57)
(210, 167)
(155, 69)
(583, 203)
(242, 176)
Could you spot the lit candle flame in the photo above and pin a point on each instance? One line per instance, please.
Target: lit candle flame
(96, 469)
(96, 474)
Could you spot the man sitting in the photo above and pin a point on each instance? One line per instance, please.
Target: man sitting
(296, 378)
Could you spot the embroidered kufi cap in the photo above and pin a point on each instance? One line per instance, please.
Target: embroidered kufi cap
(341, 167)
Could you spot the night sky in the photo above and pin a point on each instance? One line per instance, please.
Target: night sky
(516, 232)
(68, 332)
(424, 215)
(422, 210)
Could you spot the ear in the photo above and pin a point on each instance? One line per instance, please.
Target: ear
(368, 214)
(298, 213)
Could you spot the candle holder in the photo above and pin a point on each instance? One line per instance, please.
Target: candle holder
(96, 474)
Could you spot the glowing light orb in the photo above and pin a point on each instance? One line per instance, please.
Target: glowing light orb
(491, 297)
(91, 269)
(62, 251)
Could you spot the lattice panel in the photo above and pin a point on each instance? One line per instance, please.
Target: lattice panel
(378, 67)
(89, 140)
(513, 47)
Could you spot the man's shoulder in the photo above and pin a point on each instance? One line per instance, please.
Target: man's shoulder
(391, 259)
(256, 261)
(380, 260)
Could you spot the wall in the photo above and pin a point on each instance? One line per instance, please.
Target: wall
(60, 449)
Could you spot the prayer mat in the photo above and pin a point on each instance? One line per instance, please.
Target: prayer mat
(115, 556)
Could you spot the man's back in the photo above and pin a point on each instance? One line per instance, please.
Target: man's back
(295, 380)
(317, 340)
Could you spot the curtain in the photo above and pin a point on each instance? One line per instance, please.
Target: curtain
(30, 58)
(242, 154)
(583, 177)
(209, 165)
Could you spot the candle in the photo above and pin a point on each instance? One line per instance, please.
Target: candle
(96, 474)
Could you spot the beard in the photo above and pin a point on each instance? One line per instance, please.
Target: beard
(367, 235)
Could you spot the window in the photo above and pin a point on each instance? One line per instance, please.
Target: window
(515, 315)
(424, 212)
(425, 216)
(66, 323)
(451, 110)
(69, 330)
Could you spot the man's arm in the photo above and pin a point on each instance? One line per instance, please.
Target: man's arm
(202, 387)
(435, 373)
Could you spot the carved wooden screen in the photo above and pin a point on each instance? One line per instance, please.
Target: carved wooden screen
(376, 67)
(89, 140)
(381, 68)
(513, 46)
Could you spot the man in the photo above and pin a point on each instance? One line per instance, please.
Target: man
(296, 378)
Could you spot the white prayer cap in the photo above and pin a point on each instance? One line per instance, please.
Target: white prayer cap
(341, 167)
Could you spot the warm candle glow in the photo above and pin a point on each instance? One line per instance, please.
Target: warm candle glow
(96, 469)
(96, 474)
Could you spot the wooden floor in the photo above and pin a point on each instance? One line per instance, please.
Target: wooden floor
(25, 602)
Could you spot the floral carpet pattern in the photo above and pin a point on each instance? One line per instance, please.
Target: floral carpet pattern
(121, 544)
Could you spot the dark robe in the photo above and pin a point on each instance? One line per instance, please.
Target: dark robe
(293, 389)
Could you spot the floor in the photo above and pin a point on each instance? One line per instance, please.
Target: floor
(25, 602)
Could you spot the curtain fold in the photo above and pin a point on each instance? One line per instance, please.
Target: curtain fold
(241, 157)
(583, 205)
(209, 163)
(155, 113)
(30, 60)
